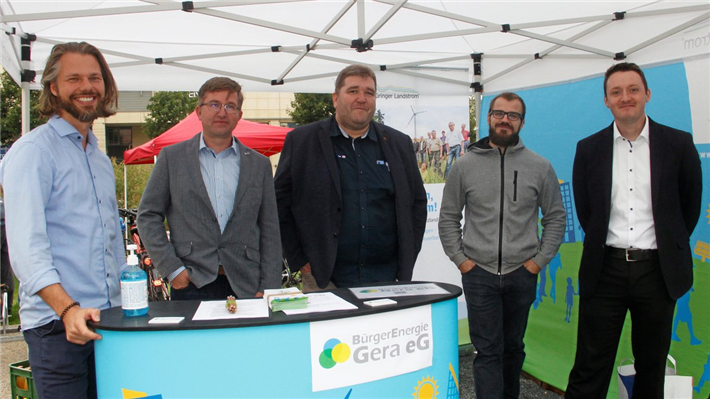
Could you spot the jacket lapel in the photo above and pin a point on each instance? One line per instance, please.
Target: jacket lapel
(246, 174)
(606, 160)
(328, 154)
(656, 144)
(192, 162)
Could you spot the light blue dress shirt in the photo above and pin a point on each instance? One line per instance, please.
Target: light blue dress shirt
(62, 220)
(220, 173)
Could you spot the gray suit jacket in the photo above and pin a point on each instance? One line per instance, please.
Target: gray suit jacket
(249, 248)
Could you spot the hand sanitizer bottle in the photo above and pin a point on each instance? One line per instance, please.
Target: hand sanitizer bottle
(134, 286)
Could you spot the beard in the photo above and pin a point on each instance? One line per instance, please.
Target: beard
(80, 114)
(501, 140)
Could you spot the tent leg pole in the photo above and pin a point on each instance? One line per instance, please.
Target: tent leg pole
(125, 195)
(479, 98)
(25, 107)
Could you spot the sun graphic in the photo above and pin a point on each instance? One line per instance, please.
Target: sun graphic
(708, 216)
(427, 389)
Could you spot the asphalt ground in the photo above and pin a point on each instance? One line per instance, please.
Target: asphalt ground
(13, 349)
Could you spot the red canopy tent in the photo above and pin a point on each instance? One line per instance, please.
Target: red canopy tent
(260, 137)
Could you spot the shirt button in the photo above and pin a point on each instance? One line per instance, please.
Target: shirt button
(107, 275)
(363, 227)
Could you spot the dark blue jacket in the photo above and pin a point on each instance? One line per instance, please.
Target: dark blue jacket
(308, 195)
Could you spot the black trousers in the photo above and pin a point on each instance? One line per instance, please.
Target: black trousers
(636, 287)
(214, 291)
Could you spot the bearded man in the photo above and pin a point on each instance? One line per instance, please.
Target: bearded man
(502, 185)
(62, 222)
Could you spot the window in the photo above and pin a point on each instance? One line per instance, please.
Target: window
(118, 139)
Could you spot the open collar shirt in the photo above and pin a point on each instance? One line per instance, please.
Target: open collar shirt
(220, 173)
(631, 217)
(62, 220)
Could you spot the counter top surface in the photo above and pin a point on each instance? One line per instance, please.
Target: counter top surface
(113, 319)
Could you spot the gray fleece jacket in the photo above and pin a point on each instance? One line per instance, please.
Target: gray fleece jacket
(502, 195)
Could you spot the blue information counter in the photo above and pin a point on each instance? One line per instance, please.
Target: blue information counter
(407, 350)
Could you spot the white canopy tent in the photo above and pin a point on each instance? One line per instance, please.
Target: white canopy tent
(299, 46)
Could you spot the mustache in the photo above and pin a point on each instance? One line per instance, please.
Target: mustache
(503, 124)
(87, 93)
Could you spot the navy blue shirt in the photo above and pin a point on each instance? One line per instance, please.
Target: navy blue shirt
(368, 242)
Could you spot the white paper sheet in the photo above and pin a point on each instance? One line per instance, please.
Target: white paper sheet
(246, 308)
(391, 291)
(322, 302)
(166, 320)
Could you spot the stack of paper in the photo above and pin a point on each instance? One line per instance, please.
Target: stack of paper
(285, 299)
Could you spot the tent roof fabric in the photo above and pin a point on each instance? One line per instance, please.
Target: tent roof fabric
(299, 45)
(266, 139)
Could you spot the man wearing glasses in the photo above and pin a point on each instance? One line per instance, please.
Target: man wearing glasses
(218, 198)
(498, 252)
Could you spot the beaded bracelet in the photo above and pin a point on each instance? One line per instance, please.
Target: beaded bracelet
(64, 313)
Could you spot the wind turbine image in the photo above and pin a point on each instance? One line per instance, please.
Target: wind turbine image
(414, 117)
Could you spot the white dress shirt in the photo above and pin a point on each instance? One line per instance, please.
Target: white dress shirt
(631, 218)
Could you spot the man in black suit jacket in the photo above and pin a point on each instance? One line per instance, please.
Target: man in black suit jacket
(352, 206)
(637, 189)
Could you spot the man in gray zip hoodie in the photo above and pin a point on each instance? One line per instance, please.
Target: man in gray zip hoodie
(502, 186)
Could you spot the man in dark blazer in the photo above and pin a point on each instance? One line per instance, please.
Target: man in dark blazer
(218, 198)
(637, 189)
(352, 205)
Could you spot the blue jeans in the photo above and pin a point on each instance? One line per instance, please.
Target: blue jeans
(454, 153)
(60, 369)
(498, 308)
(214, 291)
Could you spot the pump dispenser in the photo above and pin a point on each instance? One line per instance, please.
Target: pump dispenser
(134, 286)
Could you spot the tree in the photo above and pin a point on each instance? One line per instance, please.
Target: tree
(379, 116)
(167, 108)
(11, 110)
(137, 179)
(311, 107)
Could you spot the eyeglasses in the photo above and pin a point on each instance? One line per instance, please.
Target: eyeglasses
(216, 107)
(512, 116)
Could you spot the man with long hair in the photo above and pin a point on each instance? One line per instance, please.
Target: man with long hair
(62, 222)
